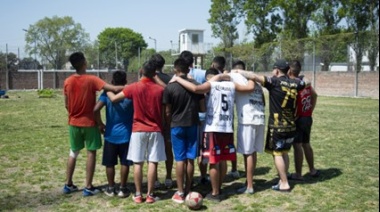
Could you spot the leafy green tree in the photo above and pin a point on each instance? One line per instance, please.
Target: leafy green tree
(326, 20)
(296, 15)
(52, 39)
(225, 16)
(264, 25)
(118, 45)
(373, 36)
(359, 14)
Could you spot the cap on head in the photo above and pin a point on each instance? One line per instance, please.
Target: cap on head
(281, 64)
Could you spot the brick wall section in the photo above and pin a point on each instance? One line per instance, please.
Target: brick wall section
(326, 83)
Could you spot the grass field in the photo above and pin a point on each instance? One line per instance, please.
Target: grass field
(34, 149)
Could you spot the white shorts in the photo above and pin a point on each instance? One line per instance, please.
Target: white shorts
(250, 138)
(146, 146)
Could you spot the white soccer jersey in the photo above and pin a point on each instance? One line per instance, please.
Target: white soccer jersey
(249, 105)
(220, 107)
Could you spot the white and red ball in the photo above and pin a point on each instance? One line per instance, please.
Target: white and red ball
(194, 200)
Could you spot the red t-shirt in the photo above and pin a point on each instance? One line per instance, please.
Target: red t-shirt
(80, 91)
(304, 102)
(146, 96)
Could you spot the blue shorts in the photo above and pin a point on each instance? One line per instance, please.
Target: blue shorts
(185, 142)
(112, 151)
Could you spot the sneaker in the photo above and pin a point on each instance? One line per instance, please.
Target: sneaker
(137, 198)
(151, 198)
(214, 198)
(68, 189)
(123, 192)
(178, 198)
(205, 180)
(168, 183)
(245, 190)
(90, 191)
(110, 191)
(157, 184)
(234, 174)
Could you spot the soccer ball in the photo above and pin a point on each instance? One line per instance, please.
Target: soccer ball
(194, 200)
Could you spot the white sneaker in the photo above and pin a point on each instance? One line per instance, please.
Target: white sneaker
(234, 174)
(168, 183)
(157, 184)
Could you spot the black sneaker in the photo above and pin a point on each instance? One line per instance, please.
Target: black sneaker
(123, 192)
(214, 198)
(110, 191)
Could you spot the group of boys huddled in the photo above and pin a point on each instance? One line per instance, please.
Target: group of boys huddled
(189, 115)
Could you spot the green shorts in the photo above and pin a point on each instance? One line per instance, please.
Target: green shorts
(81, 136)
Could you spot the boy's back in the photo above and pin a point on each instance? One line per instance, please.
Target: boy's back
(119, 119)
(147, 103)
(81, 96)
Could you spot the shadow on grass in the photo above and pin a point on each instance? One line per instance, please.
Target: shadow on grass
(325, 174)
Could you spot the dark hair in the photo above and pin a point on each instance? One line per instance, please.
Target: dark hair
(119, 78)
(158, 60)
(219, 62)
(239, 63)
(181, 66)
(149, 69)
(188, 57)
(295, 65)
(211, 71)
(77, 60)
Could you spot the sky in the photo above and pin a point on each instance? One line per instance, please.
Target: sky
(160, 20)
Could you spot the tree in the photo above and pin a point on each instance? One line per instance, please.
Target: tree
(326, 19)
(265, 25)
(52, 39)
(296, 15)
(358, 15)
(118, 45)
(373, 36)
(225, 16)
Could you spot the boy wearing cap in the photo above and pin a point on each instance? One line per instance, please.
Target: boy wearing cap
(281, 124)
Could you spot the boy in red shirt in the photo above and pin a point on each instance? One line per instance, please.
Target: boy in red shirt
(80, 98)
(147, 142)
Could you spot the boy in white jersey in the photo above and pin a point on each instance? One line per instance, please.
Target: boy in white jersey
(250, 108)
(219, 146)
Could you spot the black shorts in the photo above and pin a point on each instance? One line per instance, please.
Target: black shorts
(112, 151)
(303, 125)
(278, 142)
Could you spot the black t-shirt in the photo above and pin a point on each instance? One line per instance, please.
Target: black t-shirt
(184, 104)
(282, 99)
(164, 77)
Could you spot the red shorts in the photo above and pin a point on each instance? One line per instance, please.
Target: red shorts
(218, 147)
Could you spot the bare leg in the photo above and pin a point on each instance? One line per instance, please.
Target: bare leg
(169, 159)
(189, 174)
(124, 172)
(250, 163)
(309, 155)
(179, 170)
(137, 176)
(222, 172)
(202, 167)
(234, 165)
(152, 170)
(286, 161)
(214, 176)
(90, 167)
(110, 172)
(298, 159)
(71, 162)
(281, 169)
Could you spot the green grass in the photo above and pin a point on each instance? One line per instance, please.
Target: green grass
(34, 148)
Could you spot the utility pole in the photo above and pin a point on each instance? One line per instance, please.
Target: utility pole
(155, 43)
